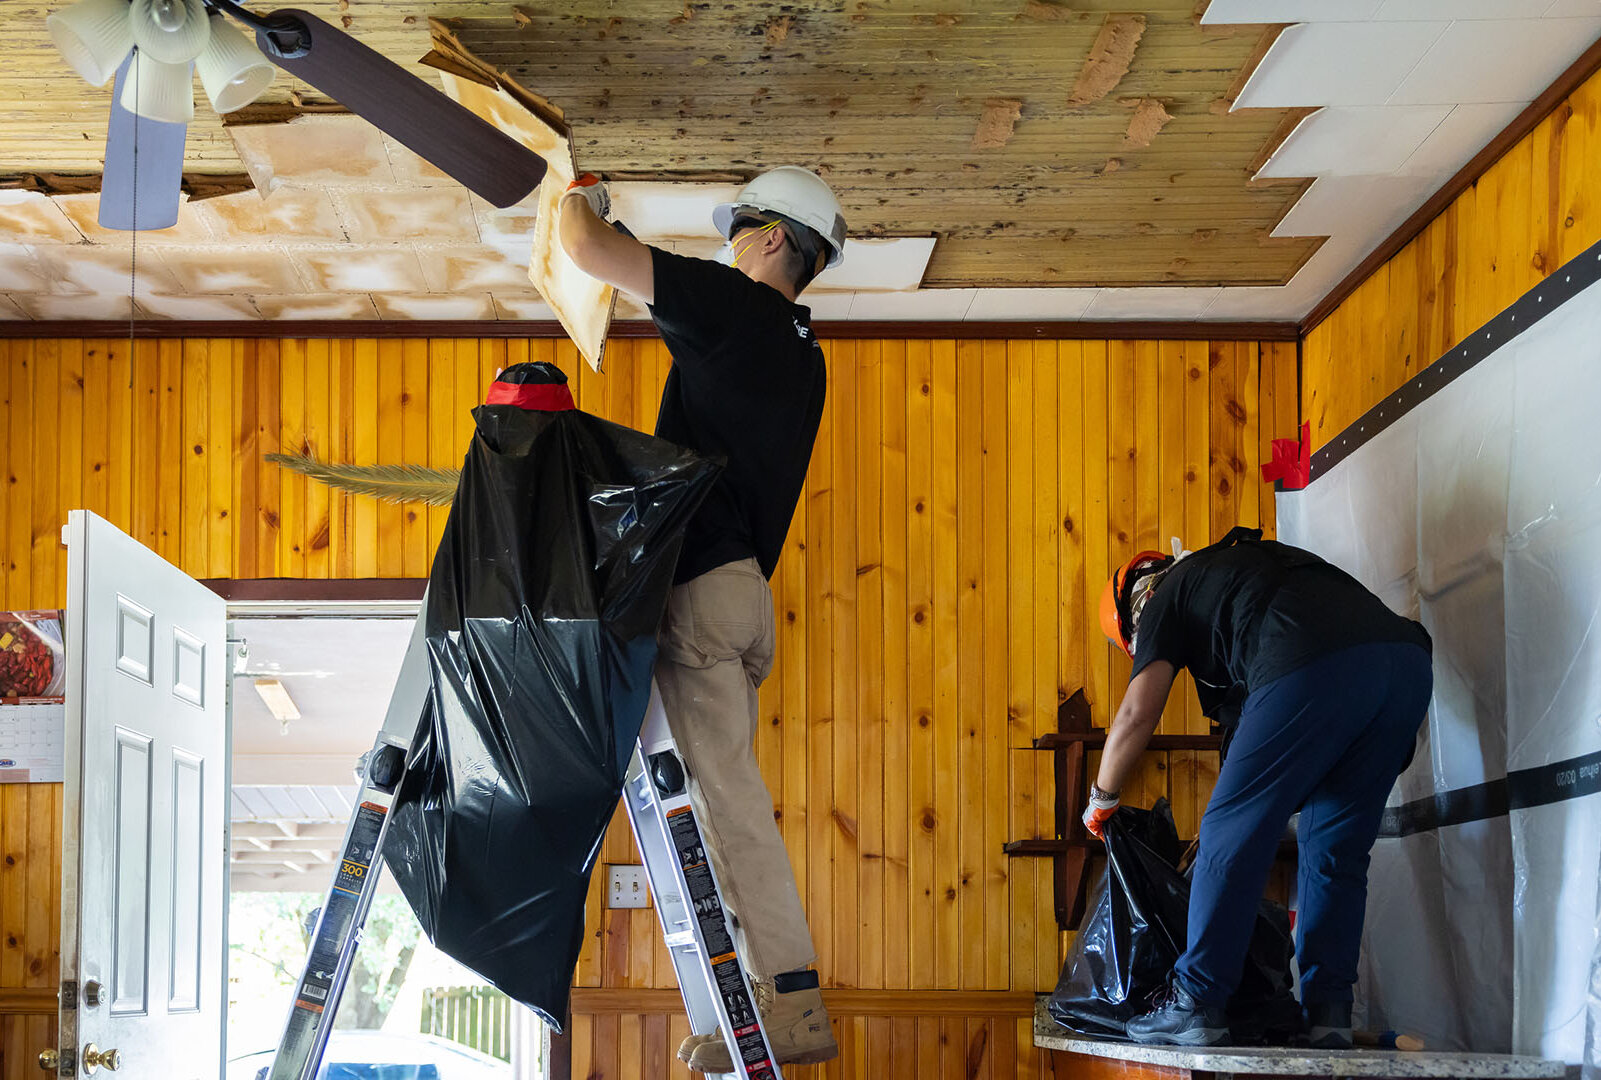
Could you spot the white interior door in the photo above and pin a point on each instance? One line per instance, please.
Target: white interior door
(144, 859)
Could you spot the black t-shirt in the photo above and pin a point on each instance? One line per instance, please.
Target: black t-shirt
(1244, 612)
(747, 385)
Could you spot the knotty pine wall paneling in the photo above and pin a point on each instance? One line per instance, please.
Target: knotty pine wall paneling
(1530, 212)
(936, 600)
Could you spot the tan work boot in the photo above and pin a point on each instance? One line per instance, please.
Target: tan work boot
(797, 1029)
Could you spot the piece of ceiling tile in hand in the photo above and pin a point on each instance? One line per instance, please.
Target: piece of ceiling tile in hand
(1510, 60)
(307, 307)
(364, 270)
(1029, 304)
(1151, 303)
(1337, 64)
(511, 225)
(668, 210)
(28, 217)
(1462, 134)
(198, 308)
(891, 264)
(415, 171)
(423, 214)
(1360, 141)
(287, 215)
(232, 270)
(1288, 11)
(1356, 205)
(332, 148)
(434, 306)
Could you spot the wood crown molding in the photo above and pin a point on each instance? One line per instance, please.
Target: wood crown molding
(28, 1001)
(1080, 330)
(1525, 122)
(965, 1003)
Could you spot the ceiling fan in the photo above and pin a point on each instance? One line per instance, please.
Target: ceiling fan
(154, 47)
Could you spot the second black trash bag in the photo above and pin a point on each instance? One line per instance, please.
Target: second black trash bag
(541, 616)
(1136, 930)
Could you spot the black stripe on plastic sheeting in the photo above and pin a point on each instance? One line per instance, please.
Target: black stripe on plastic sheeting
(1540, 786)
(1570, 279)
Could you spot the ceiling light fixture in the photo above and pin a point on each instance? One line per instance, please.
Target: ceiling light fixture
(166, 36)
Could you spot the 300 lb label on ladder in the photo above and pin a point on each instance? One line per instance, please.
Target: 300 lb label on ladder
(354, 865)
(726, 972)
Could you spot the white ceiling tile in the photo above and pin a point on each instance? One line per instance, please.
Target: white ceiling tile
(1408, 10)
(1287, 11)
(887, 265)
(828, 305)
(1326, 268)
(941, 304)
(1466, 131)
(1337, 64)
(660, 210)
(1371, 140)
(9, 308)
(199, 308)
(1355, 205)
(1493, 61)
(1179, 303)
(1567, 9)
(1005, 304)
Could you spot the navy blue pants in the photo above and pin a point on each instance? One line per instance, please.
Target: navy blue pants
(1328, 739)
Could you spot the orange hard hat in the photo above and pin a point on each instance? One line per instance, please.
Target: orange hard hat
(1114, 599)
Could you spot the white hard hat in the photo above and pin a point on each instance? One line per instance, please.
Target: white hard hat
(800, 195)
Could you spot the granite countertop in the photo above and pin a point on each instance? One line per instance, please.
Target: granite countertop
(1292, 1061)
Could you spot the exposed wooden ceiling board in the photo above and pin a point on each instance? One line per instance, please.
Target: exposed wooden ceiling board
(885, 99)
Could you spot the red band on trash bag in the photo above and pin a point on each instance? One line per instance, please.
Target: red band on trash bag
(542, 397)
(1292, 461)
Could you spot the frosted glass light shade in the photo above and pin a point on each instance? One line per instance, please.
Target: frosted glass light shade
(232, 69)
(171, 31)
(160, 91)
(94, 37)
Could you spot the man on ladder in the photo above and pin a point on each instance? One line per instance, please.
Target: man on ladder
(747, 385)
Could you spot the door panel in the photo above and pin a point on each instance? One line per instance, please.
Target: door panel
(144, 842)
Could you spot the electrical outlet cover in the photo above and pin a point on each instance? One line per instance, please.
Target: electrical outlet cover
(626, 888)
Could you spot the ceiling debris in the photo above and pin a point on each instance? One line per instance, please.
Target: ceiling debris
(1150, 117)
(996, 123)
(1040, 11)
(195, 185)
(1109, 58)
(778, 28)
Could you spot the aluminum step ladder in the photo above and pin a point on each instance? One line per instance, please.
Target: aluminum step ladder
(694, 921)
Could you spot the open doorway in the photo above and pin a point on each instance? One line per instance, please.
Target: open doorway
(310, 690)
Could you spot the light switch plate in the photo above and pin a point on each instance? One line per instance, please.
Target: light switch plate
(626, 888)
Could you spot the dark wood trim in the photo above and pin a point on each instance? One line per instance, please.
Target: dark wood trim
(317, 590)
(587, 1000)
(1083, 330)
(1525, 122)
(28, 1001)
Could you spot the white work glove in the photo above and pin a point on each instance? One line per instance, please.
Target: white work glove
(1099, 811)
(593, 189)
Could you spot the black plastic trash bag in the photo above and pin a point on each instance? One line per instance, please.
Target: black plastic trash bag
(543, 605)
(1136, 930)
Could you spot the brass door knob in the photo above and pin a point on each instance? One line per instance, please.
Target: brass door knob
(95, 1058)
(49, 1059)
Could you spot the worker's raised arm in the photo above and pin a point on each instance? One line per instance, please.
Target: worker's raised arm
(1136, 720)
(598, 249)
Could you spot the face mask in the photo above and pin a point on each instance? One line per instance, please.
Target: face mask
(729, 255)
(725, 254)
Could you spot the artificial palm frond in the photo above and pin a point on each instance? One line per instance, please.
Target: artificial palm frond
(391, 483)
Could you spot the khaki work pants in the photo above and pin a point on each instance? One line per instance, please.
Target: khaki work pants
(716, 649)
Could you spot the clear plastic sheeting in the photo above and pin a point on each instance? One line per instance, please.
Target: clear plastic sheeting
(1479, 513)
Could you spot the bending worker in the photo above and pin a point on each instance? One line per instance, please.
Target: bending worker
(1322, 690)
(746, 385)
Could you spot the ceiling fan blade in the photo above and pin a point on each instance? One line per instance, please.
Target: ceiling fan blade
(144, 161)
(454, 139)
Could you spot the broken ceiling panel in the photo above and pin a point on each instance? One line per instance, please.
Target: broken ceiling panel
(889, 264)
